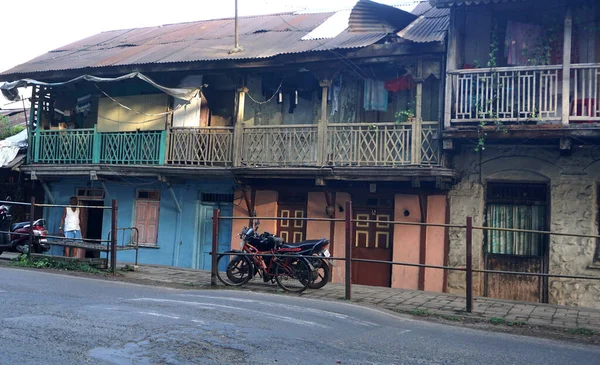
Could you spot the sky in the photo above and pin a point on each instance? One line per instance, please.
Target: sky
(34, 27)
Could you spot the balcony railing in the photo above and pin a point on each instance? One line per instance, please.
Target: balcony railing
(357, 144)
(585, 104)
(380, 144)
(524, 94)
(133, 148)
(72, 146)
(279, 145)
(505, 94)
(210, 146)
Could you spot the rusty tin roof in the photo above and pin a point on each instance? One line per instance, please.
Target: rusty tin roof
(209, 40)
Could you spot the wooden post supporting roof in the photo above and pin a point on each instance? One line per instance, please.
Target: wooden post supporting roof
(566, 71)
(238, 131)
(322, 127)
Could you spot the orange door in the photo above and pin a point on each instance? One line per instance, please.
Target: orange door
(291, 231)
(146, 221)
(372, 241)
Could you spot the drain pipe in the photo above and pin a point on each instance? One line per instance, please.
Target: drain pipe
(178, 227)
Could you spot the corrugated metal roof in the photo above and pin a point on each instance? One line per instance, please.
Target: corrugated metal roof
(448, 3)
(210, 40)
(431, 26)
(369, 16)
(331, 27)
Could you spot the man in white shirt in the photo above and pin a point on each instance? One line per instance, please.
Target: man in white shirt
(70, 221)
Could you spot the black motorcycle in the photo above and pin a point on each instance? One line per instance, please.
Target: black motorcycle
(316, 248)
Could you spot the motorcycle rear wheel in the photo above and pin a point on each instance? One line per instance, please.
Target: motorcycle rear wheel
(293, 274)
(323, 275)
(239, 270)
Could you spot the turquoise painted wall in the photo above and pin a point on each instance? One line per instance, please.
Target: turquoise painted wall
(183, 239)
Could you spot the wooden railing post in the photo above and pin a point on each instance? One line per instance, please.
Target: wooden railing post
(469, 258)
(215, 248)
(349, 243)
(163, 147)
(322, 126)
(96, 145)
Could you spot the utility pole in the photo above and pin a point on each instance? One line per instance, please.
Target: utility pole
(236, 47)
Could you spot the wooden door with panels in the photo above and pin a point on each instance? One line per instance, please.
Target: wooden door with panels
(292, 205)
(373, 241)
(147, 208)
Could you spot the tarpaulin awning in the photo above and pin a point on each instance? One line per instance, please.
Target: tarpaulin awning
(180, 93)
(10, 147)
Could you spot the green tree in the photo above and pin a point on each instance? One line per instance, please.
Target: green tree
(7, 130)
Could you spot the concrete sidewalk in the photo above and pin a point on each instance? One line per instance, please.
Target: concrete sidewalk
(403, 300)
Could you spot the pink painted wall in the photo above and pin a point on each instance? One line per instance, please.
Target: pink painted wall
(339, 244)
(237, 224)
(436, 213)
(265, 206)
(316, 209)
(407, 240)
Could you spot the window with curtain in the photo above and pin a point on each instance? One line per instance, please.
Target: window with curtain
(519, 206)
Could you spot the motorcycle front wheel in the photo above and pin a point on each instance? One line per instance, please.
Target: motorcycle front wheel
(238, 272)
(323, 274)
(293, 274)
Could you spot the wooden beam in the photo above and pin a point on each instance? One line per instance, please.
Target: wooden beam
(322, 127)
(451, 65)
(566, 71)
(417, 122)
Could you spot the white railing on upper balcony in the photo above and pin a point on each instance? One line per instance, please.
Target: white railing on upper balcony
(506, 94)
(585, 86)
(524, 94)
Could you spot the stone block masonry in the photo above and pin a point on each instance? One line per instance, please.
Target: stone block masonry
(573, 186)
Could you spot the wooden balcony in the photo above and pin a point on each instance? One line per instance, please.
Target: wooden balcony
(208, 146)
(186, 146)
(532, 94)
(313, 145)
(347, 145)
(279, 145)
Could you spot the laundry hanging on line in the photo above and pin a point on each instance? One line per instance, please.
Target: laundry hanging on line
(375, 96)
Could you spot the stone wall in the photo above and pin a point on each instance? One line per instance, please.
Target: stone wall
(572, 181)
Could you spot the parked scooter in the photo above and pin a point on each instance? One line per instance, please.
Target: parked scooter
(18, 238)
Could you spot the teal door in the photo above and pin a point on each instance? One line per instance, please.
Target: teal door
(202, 260)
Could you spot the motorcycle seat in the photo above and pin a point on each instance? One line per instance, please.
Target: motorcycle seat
(304, 244)
(16, 226)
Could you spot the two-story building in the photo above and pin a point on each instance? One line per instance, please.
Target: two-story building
(312, 110)
(522, 107)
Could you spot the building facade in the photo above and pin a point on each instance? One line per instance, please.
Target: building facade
(521, 131)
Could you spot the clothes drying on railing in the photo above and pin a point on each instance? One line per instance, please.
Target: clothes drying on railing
(375, 96)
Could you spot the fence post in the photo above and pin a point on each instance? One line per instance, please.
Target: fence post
(469, 273)
(113, 238)
(215, 248)
(31, 217)
(348, 260)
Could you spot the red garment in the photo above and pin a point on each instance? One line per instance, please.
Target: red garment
(401, 83)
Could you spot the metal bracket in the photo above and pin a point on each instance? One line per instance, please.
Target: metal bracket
(174, 198)
(106, 192)
(48, 192)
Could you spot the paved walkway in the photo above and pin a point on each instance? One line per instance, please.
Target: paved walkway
(404, 300)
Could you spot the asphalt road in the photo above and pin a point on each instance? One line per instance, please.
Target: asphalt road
(55, 319)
